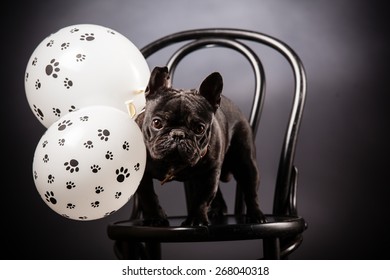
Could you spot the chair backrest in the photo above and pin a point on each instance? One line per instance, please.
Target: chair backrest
(286, 183)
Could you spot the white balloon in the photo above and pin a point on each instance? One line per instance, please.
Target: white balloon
(89, 163)
(84, 65)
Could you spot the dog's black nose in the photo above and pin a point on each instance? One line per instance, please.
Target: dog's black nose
(177, 134)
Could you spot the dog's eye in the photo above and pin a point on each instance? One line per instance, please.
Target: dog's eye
(157, 124)
(199, 129)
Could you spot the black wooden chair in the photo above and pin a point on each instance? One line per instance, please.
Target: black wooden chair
(282, 233)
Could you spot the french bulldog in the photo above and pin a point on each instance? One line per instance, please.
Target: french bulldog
(199, 137)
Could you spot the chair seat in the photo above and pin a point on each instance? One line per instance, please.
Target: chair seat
(227, 228)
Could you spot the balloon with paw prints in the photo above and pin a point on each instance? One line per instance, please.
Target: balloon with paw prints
(89, 163)
(83, 65)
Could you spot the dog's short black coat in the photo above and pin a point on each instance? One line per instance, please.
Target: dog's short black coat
(197, 136)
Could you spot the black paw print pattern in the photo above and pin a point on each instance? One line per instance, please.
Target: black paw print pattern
(50, 179)
(99, 189)
(109, 213)
(109, 155)
(87, 37)
(50, 43)
(38, 112)
(95, 204)
(125, 146)
(68, 83)
(64, 46)
(95, 168)
(57, 112)
(80, 57)
(52, 69)
(72, 166)
(46, 158)
(61, 142)
(84, 119)
(122, 173)
(72, 109)
(88, 144)
(44, 144)
(49, 195)
(103, 134)
(37, 84)
(70, 185)
(136, 166)
(64, 124)
(70, 206)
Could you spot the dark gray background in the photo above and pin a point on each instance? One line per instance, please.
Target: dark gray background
(342, 150)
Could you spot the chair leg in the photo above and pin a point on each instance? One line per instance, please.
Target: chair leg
(154, 250)
(129, 250)
(271, 248)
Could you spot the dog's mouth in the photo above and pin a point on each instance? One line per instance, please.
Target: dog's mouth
(183, 149)
(178, 151)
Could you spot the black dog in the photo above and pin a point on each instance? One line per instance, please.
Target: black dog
(199, 137)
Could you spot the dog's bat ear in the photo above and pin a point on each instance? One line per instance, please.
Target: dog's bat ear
(159, 78)
(211, 89)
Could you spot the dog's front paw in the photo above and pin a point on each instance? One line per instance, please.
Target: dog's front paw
(218, 208)
(215, 214)
(255, 217)
(196, 221)
(155, 217)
